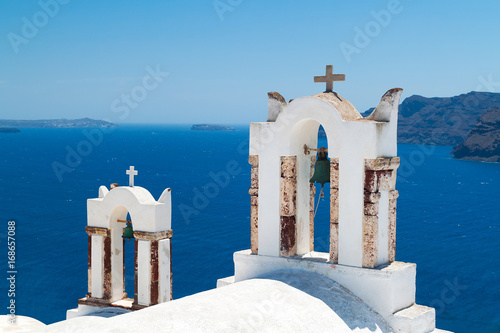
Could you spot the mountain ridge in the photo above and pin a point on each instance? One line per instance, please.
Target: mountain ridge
(56, 123)
(441, 120)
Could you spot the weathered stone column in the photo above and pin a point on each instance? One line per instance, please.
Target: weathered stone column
(334, 210)
(312, 194)
(393, 197)
(154, 292)
(136, 270)
(380, 176)
(89, 263)
(254, 204)
(107, 268)
(154, 284)
(99, 262)
(288, 226)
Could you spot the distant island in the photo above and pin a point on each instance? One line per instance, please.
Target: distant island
(55, 123)
(208, 127)
(9, 130)
(483, 142)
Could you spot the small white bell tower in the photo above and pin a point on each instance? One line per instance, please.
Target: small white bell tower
(151, 223)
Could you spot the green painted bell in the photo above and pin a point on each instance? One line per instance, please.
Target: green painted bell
(128, 232)
(321, 169)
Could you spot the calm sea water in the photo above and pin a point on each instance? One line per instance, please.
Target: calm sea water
(447, 216)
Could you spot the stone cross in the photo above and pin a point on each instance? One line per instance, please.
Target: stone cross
(131, 173)
(329, 78)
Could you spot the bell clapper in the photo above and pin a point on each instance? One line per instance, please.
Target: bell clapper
(321, 195)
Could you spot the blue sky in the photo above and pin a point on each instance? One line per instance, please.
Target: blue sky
(83, 58)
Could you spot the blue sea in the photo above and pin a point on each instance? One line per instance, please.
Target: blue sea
(448, 221)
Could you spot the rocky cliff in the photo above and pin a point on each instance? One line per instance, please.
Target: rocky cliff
(483, 142)
(441, 120)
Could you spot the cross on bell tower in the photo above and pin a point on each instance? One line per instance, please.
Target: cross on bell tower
(329, 78)
(131, 173)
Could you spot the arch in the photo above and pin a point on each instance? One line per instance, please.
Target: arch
(148, 214)
(152, 231)
(351, 140)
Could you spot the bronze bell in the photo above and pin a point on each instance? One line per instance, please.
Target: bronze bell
(128, 232)
(321, 168)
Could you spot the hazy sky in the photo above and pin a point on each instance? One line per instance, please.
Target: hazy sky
(110, 59)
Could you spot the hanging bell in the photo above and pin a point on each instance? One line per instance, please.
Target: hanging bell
(321, 168)
(128, 232)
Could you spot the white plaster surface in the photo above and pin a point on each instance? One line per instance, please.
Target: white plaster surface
(415, 319)
(164, 269)
(117, 261)
(259, 305)
(23, 324)
(386, 289)
(225, 281)
(97, 265)
(144, 272)
(146, 213)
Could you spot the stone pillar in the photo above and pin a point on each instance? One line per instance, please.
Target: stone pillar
(393, 196)
(380, 176)
(123, 275)
(89, 263)
(107, 268)
(136, 270)
(288, 190)
(165, 270)
(99, 262)
(154, 290)
(254, 204)
(153, 268)
(334, 210)
(312, 194)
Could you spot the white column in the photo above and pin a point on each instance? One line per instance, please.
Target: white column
(144, 272)
(116, 262)
(164, 257)
(303, 202)
(269, 204)
(97, 266)
(351, 205)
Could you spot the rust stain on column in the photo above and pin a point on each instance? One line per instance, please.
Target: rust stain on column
(334, 243)
(312, 193)
(254, 203)
(171, 278)
(380, 175)
(334, 209)
(288, 197)
(254, 229)
(123, 277)
(393, 195)
(288, 247)
(89, 262)
(107, 269)
(154, 274)
(370, 241)
(136, 269)
(370, 215)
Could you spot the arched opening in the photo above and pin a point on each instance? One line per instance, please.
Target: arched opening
(313, 232)
(129, 264)
(122, 258)
(321, 222)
